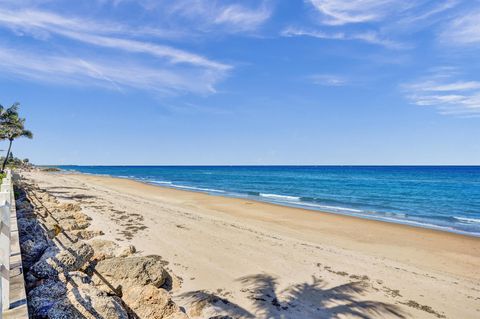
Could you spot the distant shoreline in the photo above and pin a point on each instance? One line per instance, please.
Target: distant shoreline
(265, 199)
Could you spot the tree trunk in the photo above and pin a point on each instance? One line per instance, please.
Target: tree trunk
(6, 157)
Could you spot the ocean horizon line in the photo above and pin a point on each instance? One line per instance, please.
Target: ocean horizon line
(259, 165)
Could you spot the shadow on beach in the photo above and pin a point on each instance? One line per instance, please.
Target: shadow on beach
(303, 300)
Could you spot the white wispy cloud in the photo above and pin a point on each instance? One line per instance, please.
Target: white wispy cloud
(160, 51)
(204, 16)
(371, 37)
(448, 94)
(171, 70)
(340, 12)
(243, 18)
(329, 80)
(464, 29)
(36, 22)
(28, 18)
(431, 11)
(380, 21)
(118, 75)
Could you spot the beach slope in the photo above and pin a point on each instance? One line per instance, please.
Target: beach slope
(248, 259)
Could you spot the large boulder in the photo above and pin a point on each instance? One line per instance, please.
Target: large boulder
(28, 227)
(71, 215)
(151, 302)
(78, 298)
(32, 241)
(22, 204)
(54, 262)
(132, 271)
(32, 250)
(105, 249)
(43, 297)
(83, 300)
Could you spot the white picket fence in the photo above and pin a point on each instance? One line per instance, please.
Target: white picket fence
(6, 197)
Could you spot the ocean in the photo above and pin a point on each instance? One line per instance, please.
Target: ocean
(439, 197)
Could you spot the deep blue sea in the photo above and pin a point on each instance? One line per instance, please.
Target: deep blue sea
(440, 197)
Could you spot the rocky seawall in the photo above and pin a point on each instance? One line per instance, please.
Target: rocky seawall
(71, 273)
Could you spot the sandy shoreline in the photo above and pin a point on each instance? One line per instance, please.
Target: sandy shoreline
(261, 260)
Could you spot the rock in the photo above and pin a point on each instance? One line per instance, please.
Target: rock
(127, 251)
(151, 302)
(32, 250)
(103, 249)
(29, 228)
(69, 207)
(86, 234)
(77, 215)
(78, 298)
(63, 309)
(42, 298)
(42, 212)
(73, 224)
(32, 241)
(138, 271)
(30, 281)
(23, 205)
(88, 301)
(53, 263)
(26, 213)
(52, 226)
(47, 200)
(66, 238)
(73, 236)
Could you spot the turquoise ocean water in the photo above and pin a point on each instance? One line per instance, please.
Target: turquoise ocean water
(440, 197)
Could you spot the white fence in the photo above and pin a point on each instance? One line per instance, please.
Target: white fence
(6, 197)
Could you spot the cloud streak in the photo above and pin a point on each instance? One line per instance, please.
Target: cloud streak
(242, 18)
(168, 69)
(207, 15)
(463, 30)
(339, 12)
(384, 22)
(369, 37)
(450, 96)
(328, 80)
(118, 75)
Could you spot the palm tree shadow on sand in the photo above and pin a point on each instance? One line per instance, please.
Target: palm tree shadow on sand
(304, 300)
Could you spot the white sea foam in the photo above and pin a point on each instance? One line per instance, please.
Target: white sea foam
(334, 208)
(162, 182)
(468, 220)
(198, 188)
(280, 197)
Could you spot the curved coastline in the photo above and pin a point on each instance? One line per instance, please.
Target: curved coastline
(296, 202)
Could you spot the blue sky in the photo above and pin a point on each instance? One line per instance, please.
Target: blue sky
(244, 82)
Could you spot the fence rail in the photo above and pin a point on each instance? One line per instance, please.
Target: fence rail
(6, 197)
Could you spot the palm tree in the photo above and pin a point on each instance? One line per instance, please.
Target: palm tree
(7, 112)
(11, 127)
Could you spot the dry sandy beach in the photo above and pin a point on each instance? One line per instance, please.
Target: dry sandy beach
(248, 259)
